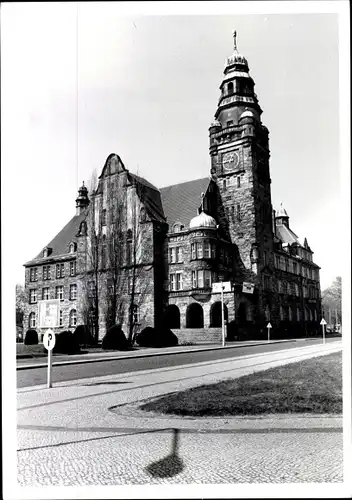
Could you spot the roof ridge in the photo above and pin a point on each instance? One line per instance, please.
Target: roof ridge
(186, 182)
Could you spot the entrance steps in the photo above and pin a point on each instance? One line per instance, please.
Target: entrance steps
(198, 335)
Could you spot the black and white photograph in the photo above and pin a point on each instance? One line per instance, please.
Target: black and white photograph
(176, 249)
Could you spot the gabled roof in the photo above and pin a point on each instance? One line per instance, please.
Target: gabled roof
(150, 197)
(286, 235)
(182, 201)
(60, 244)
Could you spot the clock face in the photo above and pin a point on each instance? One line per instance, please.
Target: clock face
(230, 160)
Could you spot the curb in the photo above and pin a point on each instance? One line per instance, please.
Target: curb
(145, 355)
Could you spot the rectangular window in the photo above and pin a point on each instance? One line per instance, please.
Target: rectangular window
(61, 321)
(178, 254)
(277, 262)
(172, 282)
(295, 267)
(45, 293)
(194, 279)
(73, 292)
(213, 251)
(286, 264)
(172, 255)
(282, 264)
(207, 279)
(199, 250)
(73, 268)
(33, 274)
(297, 290)
(103, 217)
(130, 284)
(60, 270)
(207, 249)
(284, 287)
(46, 272)
(193, 251)
(32, 296)
(200, 276)
(179, 281)
(238, 181)
(59, 293)
(279, 286)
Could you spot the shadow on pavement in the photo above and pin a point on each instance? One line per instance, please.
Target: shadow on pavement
(105, 383)
(169, 466)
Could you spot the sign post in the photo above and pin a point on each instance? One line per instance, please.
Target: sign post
(48, 314)
(222, 286)
(323, 323)
(268, 327)
(49, 342)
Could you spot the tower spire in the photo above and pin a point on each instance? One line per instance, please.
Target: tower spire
(234, 34)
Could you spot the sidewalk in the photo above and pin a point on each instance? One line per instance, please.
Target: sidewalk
(91, 432)
(140, 352)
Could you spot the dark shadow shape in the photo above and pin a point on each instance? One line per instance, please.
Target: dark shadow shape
(169, 466)
(105, 383)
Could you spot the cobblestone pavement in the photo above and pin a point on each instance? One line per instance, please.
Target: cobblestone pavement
(90, 432)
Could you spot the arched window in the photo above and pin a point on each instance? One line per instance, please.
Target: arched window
(282, 313)
(298, 314)
(315, 315)
(72, 247)
(290, 313)
(73, 317)
(230, 88)
(32, 320)
(129, 247)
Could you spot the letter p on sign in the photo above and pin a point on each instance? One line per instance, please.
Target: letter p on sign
(49, 340)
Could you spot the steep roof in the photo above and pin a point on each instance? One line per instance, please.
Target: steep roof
(286, 235)
(150, 196)
(60, 244)
(181, 201)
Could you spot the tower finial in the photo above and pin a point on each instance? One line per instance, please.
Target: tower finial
(202, 205)
(234, 34)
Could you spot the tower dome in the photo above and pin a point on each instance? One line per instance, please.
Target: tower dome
(236, 58)
(202, 220)
(281, 211)
(82, 201)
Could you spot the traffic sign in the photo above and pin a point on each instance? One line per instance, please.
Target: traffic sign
(224, 286)
(247, 287)
(323, 322)
(49, 313)
(49, 340)
(269, 325)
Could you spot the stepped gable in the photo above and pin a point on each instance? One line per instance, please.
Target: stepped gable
(60, 244)
(182, 201)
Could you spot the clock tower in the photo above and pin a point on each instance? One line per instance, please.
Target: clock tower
(239, 151)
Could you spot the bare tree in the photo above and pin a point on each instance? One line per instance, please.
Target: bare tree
(21, 299)
(332, 300)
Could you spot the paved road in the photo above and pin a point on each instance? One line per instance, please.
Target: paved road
(37, 376)
(90, 432)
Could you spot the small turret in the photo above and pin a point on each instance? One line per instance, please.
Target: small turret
(82, 201)
(281, 217)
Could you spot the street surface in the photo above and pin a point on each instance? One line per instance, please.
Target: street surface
(36, 376)
(91, 432)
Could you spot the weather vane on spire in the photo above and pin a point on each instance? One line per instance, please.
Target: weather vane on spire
(234, 34)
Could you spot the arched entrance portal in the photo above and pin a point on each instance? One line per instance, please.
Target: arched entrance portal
(215, 314)
(195, 316)
(172, 316)
(242, 313)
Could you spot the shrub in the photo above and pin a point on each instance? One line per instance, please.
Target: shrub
(156, 337)
(31, 337)
(66, 343)
(83, 336)
(115, 339)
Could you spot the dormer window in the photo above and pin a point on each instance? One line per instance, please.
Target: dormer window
(177, 227)
(72, 247)
(46, 252)
(229, 123)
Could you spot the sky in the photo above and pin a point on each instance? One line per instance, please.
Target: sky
(81, 81)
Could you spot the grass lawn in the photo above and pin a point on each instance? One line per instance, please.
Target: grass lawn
(310, 386)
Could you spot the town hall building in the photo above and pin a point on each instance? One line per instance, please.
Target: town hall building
(157, 252)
